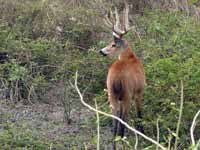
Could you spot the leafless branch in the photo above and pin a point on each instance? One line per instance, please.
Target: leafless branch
(114, 117)
(179, 119)
(136, 141)
(193, 127)
(158, 132)
(98, 126)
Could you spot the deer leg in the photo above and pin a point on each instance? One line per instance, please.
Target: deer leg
(124, 110)
(138, 101)
(115, 127)
(121, 127)
(115, 123)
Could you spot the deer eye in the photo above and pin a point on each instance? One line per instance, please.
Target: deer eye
(113, 45)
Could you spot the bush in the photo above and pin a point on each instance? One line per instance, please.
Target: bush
(40, 55)
(170, 52)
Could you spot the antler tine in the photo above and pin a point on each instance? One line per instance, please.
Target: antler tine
(113, 21)
(108, 22)
(117, 24)
(126, 18)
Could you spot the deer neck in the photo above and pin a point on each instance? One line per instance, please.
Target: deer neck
(127, 54)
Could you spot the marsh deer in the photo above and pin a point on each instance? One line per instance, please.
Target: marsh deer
(126, 77)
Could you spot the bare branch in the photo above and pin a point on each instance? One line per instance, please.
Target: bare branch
(158, 132)
(114, 117)
(193, 127)
(98, 127)
(136, 141)
(179, 119)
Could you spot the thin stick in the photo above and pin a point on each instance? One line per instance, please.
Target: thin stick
(136, 141)
(169, 141)
(114, 117)
(98, 128)
(29, 95)
(193, 127)
(50, 148)
(179, 119)
(158, 133)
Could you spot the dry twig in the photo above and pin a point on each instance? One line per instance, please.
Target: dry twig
(179, 119)
(193, 127)
(114, 117)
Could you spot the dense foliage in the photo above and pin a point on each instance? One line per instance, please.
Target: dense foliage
(43, 43)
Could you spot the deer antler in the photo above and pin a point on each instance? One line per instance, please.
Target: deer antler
(118, 29)
(126, 18)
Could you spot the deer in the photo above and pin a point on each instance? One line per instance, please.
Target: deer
(126, 76)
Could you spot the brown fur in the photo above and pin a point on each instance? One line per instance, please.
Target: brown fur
(125, 81)
(128, 71)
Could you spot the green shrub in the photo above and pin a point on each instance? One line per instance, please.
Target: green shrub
(40, 57)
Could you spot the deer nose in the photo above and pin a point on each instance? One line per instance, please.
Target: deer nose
(102, 53)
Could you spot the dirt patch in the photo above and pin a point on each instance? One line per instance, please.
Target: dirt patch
(46, 121)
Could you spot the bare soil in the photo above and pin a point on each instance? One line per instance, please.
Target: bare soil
(46, 122)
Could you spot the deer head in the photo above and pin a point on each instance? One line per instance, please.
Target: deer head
(118, 45)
